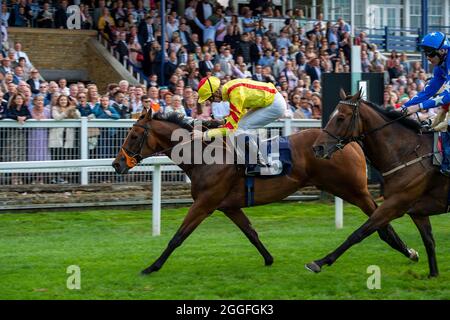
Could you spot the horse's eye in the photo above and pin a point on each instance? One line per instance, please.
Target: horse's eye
(133, 137)
(340, 119)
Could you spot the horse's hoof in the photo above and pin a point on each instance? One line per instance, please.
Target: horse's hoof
(313, 267)
(149, 270)
(413, 255)
(268, 262)
(433, 275)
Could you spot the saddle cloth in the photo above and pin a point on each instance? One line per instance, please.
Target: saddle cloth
(437, 149)
(280, 154)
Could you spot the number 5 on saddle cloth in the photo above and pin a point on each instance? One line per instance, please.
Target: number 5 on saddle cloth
(275, 152)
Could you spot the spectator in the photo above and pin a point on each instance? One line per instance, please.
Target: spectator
(15, 137)
(5, 66)
(62, 83)
(38, 137)
(61, 15)
(82, 105)
(62, 141)
(313, 70)
(176, 106)
(34, 81)
(106, 24)
(122, 47)
(316, 108)
(45, 17)
(103, 110)
(87, 21)
(209, 31)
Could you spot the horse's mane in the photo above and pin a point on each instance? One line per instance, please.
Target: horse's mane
(184, 122)
(392, 115)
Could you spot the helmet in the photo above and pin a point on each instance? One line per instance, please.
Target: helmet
(207, 87)
(434, 41)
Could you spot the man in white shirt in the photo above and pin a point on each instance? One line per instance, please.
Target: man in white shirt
(220, 110)
(19, 53)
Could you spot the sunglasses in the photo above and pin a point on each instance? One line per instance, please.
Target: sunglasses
(431, 54)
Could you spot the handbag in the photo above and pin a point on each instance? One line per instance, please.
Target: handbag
(93, 132)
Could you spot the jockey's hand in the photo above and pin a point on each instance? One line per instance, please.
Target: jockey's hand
(412, 109)
(197, 135)
(426, 124)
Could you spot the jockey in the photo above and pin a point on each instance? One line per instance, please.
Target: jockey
(263, 101)
(436, 47)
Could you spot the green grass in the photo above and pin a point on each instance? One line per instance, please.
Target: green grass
(216, 261)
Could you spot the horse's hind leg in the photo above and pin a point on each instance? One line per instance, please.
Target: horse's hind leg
(386, 233)
(240, 219)
(424, 226)
(197, 213)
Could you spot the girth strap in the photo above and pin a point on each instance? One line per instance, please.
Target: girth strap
(407, 164)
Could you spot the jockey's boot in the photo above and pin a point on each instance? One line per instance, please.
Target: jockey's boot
(261, 166)
(257, 169)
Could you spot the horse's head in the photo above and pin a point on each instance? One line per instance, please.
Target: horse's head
(138, 145)
(343, 127)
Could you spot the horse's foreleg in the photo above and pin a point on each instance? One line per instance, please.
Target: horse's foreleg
(380, 218)
(197, 213)
(424, 226)
(241, 220)
(387, 233)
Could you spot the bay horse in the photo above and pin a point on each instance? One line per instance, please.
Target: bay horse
(398, 148)
(221, 186)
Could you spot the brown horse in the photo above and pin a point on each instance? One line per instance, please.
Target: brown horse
(221, 186)
(396, 146)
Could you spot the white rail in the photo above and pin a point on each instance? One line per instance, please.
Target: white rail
(154, 164)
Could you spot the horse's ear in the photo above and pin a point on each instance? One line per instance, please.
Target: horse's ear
(359, 94)
(342, 94)
(147, 113)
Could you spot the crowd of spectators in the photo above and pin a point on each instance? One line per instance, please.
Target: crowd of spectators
(206, 40)
(209, 39)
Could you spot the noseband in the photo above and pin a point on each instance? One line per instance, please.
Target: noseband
(133, 158)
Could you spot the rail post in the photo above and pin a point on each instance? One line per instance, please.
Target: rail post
(156, 201)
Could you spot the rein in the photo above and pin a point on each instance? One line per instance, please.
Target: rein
(355, 115)
(133, 158)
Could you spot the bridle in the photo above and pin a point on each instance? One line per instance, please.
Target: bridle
(343, 141)
(133, 158)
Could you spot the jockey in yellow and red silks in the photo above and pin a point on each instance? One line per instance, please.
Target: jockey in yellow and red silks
(263, 99)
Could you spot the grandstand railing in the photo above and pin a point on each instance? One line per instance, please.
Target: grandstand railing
(388, 39)
(134, 70)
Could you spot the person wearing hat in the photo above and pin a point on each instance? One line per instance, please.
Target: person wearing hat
(253, 105)
(436, 46)
(34, 81)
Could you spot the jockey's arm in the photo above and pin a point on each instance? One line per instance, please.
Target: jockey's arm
(217, 132)
(439, 100)
(431, 88)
